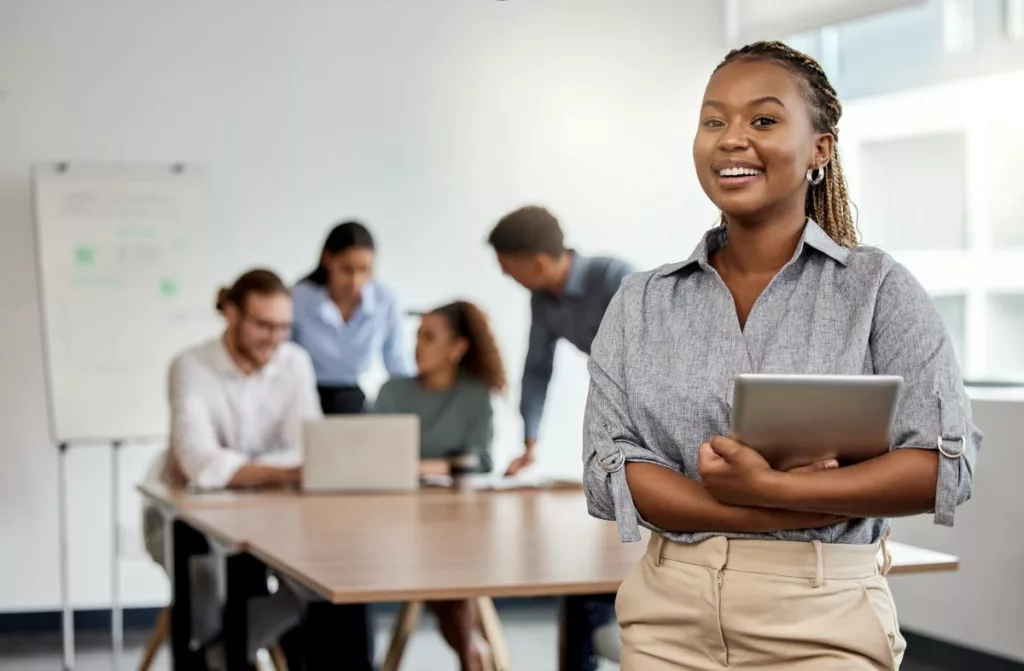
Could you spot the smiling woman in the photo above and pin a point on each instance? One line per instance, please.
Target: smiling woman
(782, 564)
(812, 115)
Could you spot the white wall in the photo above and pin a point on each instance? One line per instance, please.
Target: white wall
(427, 118)
(981, 605)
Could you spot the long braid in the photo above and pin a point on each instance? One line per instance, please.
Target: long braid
(828, 203)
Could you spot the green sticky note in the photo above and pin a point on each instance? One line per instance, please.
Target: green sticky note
(169, 287)
(84, 256)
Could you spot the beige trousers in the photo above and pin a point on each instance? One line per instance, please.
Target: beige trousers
(743, 604)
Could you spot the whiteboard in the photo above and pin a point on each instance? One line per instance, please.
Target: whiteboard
(126, 281)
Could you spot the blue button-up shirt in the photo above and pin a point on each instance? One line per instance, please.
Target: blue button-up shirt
(574, 315)
(343, 351)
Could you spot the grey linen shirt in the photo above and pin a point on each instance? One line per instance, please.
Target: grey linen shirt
(574, 315)
(663, 364)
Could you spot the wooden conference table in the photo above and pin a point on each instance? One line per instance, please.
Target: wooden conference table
(435, 544)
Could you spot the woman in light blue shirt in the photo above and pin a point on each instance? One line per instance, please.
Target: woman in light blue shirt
(344, 318)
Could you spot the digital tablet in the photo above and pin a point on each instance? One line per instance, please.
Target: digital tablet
(795, 420)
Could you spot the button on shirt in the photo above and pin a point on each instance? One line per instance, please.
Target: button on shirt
(574, 315)
(664, 361)
(343, 351)
(223, 418)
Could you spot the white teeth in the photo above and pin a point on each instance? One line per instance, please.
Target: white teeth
(739, 172)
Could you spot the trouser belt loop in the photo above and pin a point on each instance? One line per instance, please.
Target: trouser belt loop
(819, 573)
(886, 555)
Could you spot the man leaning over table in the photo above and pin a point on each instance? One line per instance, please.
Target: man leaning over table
(238, 403)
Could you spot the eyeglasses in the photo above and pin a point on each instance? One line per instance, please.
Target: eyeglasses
(269, 328)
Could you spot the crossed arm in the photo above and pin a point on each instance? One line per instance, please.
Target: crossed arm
(741, 493)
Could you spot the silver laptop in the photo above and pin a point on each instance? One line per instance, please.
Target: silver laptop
(795, 420)
(361, 453)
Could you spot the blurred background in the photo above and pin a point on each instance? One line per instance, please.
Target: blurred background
(429, 120)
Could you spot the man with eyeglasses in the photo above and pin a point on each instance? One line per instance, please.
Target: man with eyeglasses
(238, 404)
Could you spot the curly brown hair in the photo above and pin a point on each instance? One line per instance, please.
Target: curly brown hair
(483, 359)
(828, 203)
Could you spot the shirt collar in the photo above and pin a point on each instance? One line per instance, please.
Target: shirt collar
(369, 301)
(713, 240)
(576, 283)
(225, 365)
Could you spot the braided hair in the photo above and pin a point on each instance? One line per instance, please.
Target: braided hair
(828, 203)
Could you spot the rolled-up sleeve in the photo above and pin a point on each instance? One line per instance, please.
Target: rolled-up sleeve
(909, 339)
(609, 436)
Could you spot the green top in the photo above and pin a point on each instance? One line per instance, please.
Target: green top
(454, 419)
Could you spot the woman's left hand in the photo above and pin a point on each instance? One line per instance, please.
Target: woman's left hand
(734, 473)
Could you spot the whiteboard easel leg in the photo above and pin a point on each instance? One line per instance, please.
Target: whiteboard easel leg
(116, 615)
(67, 613)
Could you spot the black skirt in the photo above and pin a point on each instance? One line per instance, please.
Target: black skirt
(342, 400)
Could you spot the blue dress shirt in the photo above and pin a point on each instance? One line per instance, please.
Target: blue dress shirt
(574, 315)
(343, 351)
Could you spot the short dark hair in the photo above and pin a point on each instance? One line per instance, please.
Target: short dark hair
(258, 281)
(528, 230)
(345, 235)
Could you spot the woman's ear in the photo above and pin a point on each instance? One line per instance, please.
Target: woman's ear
(460, 348)
(824, 146)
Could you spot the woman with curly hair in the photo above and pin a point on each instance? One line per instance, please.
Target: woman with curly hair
(459, 366)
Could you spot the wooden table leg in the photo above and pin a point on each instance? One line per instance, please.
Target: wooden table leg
(406, 623)
(277, 657)
(490, 624)
(156, 639)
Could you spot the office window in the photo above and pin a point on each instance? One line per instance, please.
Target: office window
(1004, 353)
(953, 310)
(931, 147)
(889, 51)
(917, 44)
(912, 192)
(1003, 195)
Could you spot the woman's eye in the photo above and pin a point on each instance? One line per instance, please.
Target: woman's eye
(713, 123)
(763, 121)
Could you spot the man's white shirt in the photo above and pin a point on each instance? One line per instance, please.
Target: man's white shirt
(223, 418)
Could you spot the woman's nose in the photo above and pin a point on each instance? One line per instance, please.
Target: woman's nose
(734, 137)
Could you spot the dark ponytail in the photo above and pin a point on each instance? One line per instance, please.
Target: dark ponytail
(258, 281)
(347, 235)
